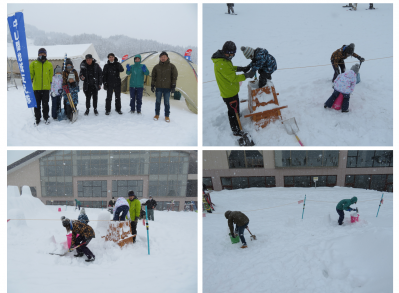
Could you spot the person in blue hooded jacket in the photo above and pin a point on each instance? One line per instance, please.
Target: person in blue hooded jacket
(344, 205)
(136, 86)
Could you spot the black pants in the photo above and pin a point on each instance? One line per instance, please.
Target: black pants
(263, 77)
(336, 69)
(230, 7)
(134, 229)
(232, 115)
(108, 101)
(84, 249)
(91, 91)
(42, 99)
(341, 216)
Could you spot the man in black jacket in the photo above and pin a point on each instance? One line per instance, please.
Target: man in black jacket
(151, 204)
(92, 76)
(112, 82)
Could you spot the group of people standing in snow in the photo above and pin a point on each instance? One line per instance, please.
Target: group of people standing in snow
(265, 64)
(48, 81)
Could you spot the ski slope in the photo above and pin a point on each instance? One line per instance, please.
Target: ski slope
(171, 266)
(113, 130)
(301, 35)
(295, 255)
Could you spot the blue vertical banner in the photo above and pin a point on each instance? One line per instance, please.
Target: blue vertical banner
(17, 29)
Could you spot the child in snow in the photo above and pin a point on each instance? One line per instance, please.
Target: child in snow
(86, 234)
(338, 57)
(262, 61)
(55, 92)
(121, 206)
(345, 84)
(345, 205)
(136, 86)
(83, 218)
(73, 85)
(241, 222)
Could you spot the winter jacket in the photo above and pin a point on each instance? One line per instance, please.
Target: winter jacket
(82, 229)
(111, 202)
(73, 89)
(263, 61)
(41, 75)
(137, 74)
(339, 56)
(121, 202)
(77, 202)
(134, 208)
(225, 73)
(345, 82)
(111, 73)
(93, 74)
(56, 86)
(164, 75)
(237, 218)
(83, 218)
(151, 204)
(345, 203)
(65, 75)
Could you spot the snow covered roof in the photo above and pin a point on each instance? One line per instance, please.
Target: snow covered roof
(57, 52)
(26, 160)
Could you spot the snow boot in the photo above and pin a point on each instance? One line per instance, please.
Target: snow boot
(138, 113)
(156, 117)
(106, 112)
(87, 112)
(80, 254)
(95, 112)
(132, 112)
(47, 122)
(167, 119)
(90, 259)
(119, 112)
(244, 246)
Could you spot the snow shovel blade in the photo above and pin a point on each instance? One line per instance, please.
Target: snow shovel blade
(74, 117)
(246, 140)
(253, 237)
(291, 126)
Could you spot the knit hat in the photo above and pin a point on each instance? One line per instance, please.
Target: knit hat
(356, 68)
(71, 76)
(82, 211)
(68, 61)
(89, 56)
(163, 53)
(111, 54)
(58, 70)
(42, 50)
(350, 49)
(65, 222)
(248, 52)
(130, 193)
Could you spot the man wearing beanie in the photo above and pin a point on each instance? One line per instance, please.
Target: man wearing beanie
(338, 57)
(41, 74)
(164, 76)
(112, 83)
(134, 210)
(228, 82)
(262, 61)
(344, 84)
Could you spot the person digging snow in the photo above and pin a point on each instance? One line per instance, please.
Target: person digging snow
(86, 234)
(121, 206)
(345, 205)
(262, 61)
(345, 84)
(241, 221)
(228, 82)
(338, 57)
(83, 218)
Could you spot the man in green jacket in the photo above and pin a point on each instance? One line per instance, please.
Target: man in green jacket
(164, 76)
(228, 81)
(345, 205)
(78, 204)
(41, 74)
(241, 221)
(136, 86)
(134, 210)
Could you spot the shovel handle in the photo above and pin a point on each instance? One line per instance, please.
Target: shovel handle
(232, 105)
(300, 142)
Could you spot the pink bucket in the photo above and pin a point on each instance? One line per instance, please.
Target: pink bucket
(59, 209)
(354, 219)
(338, 102)
(69, 239)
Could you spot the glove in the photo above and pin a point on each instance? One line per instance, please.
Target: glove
(153, 89)
(70, 249)
(244, 69)
(105, 86)
(349, 209)
(52, 94)
(249, 74)
(172, 89)
(137, 218)
(128, 67)
(361, 59)
(144, 68)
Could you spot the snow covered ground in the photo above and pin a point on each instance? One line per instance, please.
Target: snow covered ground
(300, 35)
(113, 130)
(171, 266)
(295, 255)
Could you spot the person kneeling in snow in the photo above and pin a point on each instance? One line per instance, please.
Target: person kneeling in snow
(345, 205)
(262, 61)
(86, 234)
(345, 84)
(241, 222)
(121, 206)
(83, 218)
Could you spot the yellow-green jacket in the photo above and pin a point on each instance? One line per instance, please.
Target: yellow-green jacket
(134, 208)
(41, 75)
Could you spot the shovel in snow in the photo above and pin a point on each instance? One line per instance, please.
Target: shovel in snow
(68, 250)
(245, 139)
(292, 128)
(252, 236)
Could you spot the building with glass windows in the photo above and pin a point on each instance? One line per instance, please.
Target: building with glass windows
(94, 177)
(243, 169)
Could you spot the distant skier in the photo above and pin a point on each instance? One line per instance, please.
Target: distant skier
(228, 82)
(345, 84)
(121, 210)
(338, 57)
(262, 61)
(241, 221)
(86, 234)
(73, 86)
(230, 8)
(56, 92)
(112, 83)
(345, 205)
(78, 204)
(83, 218)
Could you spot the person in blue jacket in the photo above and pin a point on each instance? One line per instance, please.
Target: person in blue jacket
(136, 86)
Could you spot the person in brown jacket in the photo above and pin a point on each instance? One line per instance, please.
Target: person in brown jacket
(164, 76)
(86, 234)
(338, 57)
(69, 69)
(241, 221)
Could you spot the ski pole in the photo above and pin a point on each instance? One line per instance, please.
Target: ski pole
(148, 236)
(379, 205)
(304, 206)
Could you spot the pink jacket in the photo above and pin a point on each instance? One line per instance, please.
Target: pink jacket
(345, 82)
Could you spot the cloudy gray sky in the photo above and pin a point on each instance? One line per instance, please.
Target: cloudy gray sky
(174, 24)
(13, 156)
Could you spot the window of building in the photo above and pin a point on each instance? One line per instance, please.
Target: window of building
(246, 182)
(92, 188)
(192, 188)
(245, 159)
(60, 202)
(369, 159)
(166, 205)
(93, 204)
(375, 182)
(33, 191)
(120, 188)
(208, 182)
(306, 159)
(308, 181)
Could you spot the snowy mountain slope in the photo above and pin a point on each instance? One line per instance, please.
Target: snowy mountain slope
(295, 255)
(300, 35)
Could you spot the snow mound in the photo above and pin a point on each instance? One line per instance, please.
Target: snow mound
(18, 217)
(13, 191)
(103, 224)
